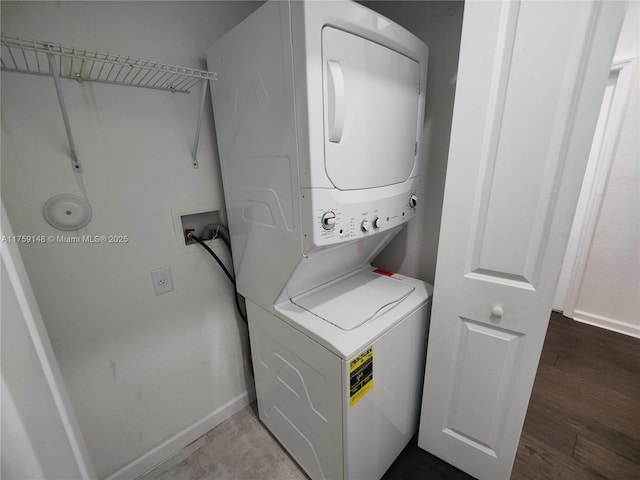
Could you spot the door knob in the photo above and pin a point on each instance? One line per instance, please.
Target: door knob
(497, 311)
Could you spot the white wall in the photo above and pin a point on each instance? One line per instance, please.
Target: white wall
(139, 368)
(438, 24)
(628, 43)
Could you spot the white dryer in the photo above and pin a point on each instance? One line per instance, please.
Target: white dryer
(319, 109)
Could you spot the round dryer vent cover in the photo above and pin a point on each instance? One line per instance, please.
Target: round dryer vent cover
(67, 212)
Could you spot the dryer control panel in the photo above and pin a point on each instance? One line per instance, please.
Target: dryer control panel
(336, 220)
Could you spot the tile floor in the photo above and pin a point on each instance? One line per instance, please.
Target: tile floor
(240, 448)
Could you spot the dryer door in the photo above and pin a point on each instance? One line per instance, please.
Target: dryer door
(371, 99)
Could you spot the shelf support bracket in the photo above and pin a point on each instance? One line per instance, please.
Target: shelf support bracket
(203, 96)
(53, 69)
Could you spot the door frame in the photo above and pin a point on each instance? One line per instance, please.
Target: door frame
(603, 151)
(12, 260)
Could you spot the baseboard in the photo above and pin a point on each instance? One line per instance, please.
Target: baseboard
(607, 323)
(174, 444)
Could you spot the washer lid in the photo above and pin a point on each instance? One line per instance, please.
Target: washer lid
(353, 301)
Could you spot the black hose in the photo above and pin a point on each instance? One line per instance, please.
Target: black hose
(236, 295)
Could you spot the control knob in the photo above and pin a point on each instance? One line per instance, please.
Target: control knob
(328, 220)
(413, 200)
(376, 222)
(364, 226)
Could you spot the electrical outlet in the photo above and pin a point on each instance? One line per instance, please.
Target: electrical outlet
(162, 282)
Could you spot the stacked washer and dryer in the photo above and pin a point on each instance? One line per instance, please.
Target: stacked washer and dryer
(319, 108)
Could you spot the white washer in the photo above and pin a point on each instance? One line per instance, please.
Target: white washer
(343, 399)
(319, 111)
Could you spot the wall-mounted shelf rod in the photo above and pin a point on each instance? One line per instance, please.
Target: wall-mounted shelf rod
(75, 163)
(45, 58)
(203, 96)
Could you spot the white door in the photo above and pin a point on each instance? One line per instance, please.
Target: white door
(371, 102)
(530, 82)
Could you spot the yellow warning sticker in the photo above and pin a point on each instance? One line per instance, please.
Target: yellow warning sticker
(360, 375)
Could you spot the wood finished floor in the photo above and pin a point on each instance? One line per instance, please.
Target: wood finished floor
(583, 420)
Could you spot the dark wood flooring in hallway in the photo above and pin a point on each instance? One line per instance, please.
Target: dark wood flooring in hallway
(583, 420)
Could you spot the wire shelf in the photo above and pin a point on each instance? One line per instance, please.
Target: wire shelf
(31, 56)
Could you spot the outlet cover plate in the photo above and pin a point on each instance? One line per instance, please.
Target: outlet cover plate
(162, 281)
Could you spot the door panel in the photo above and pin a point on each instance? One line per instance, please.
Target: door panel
(525, 110)
(371, 99)
(519, 173)
(491, 354)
